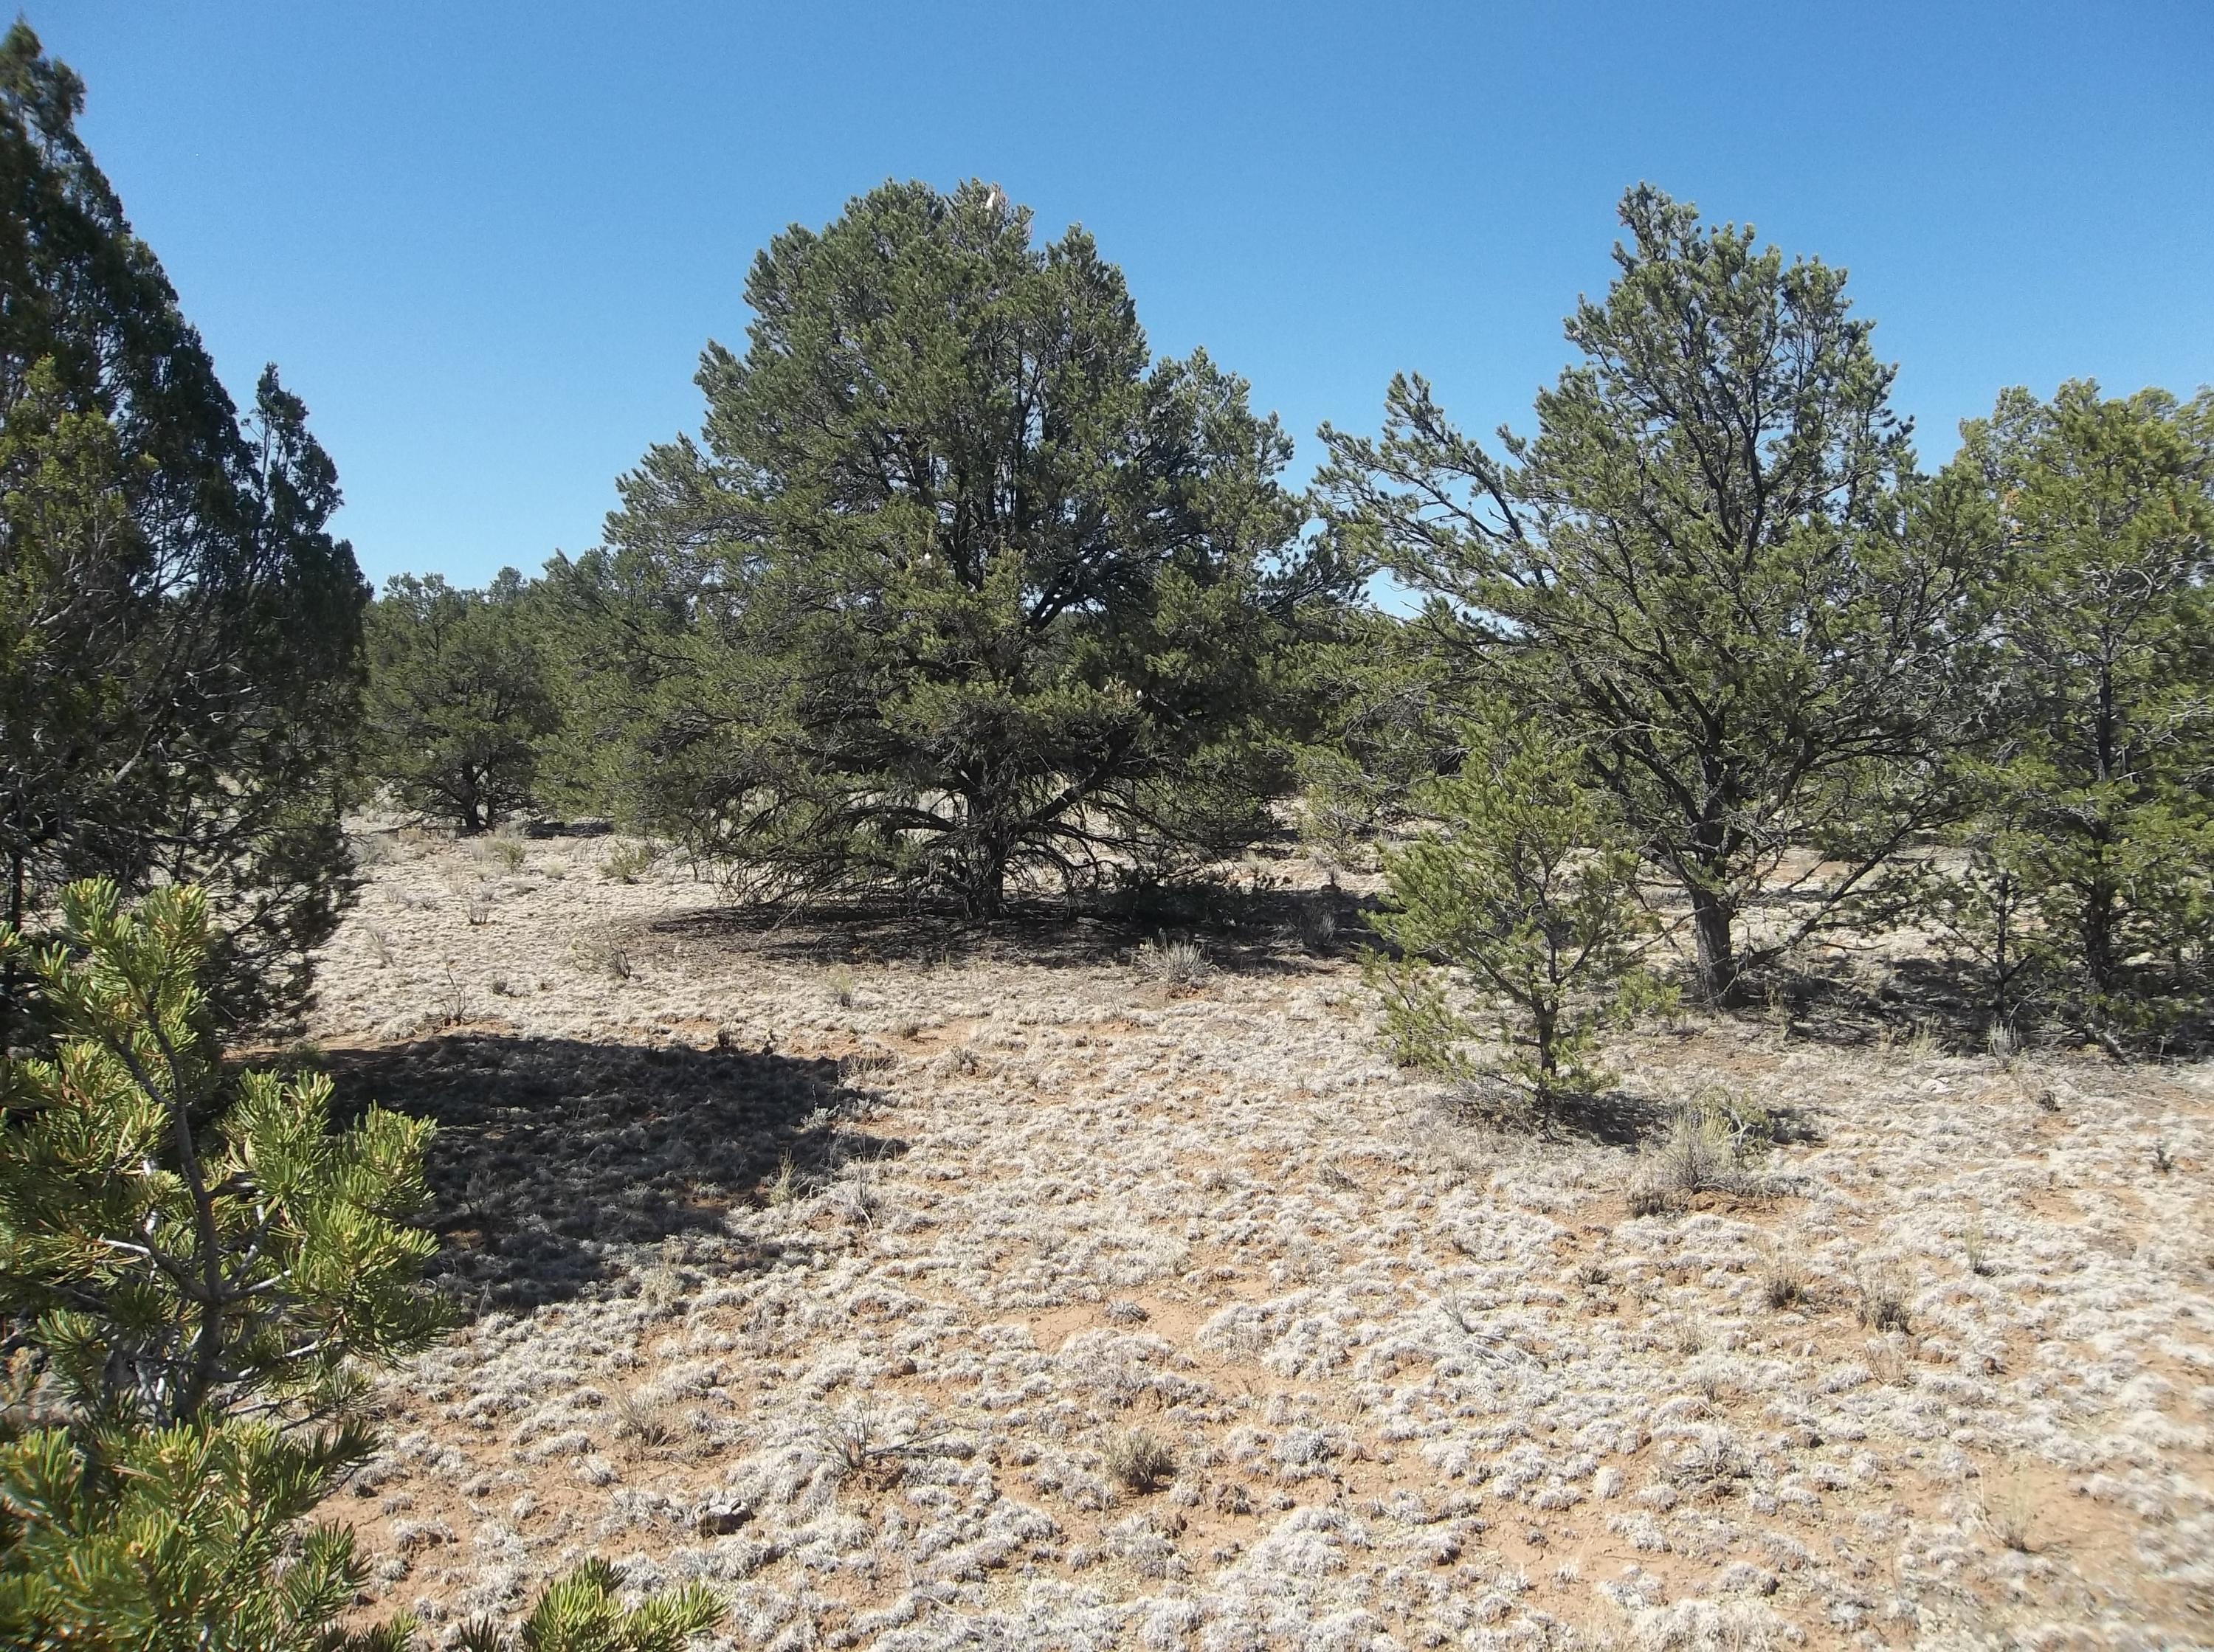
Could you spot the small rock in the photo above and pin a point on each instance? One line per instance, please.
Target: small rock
(720, 1519)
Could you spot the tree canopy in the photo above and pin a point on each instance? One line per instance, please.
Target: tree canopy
(1711, 567)
(459, 699)
(2088, 887)
(178, 633)
(958, 586)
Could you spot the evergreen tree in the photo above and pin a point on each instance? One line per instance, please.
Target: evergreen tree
(1387, 716)
(459, 701)
(125, 1540)
(958, 587)
(2088, 885)
(1524, 890)
(192, 1278)
(1710, 567)
(179, 636)
(173, 1252)
(189, 1284)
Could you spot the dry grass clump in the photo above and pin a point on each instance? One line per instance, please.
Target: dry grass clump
(1140, 1462)
(453, 1004)
(1317, 928)
(371, 849)
(1784, 1281)
(1714, 1144)
(1975, 1251)
(1881, 1299)
(602, 951)
(2010, 1509)
(784, 1186)
(505, 853)
(1175, 964)
(645, 1421)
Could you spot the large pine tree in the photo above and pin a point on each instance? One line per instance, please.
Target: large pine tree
(1713, 567)
(179, 635)
(960, 586)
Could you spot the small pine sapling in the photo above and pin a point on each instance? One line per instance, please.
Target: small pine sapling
(582, 1612)
(176, 1245)
(1516, 917)
(193, 1275)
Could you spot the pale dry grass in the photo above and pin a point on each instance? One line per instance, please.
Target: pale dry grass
(847, 1281)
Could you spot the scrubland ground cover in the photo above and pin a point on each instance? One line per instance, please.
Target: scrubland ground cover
(1002, 1288)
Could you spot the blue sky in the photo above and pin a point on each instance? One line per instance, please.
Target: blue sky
(486, 241)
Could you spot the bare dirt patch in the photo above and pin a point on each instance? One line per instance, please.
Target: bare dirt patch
(840, 1265)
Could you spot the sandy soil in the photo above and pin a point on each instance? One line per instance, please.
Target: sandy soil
(842, 1266)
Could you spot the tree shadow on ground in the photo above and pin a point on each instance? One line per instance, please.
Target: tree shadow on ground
(1268, 930)
(1920, 996)
(556, 1158)
(1610, 1118)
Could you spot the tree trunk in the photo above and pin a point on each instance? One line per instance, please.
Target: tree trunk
(2101, 965)
(987, 895)
(1712, 920)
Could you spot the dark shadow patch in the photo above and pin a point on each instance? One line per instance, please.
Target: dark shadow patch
(1610, 1118)
(556, 1157)
(567, 828)
(1263, 931)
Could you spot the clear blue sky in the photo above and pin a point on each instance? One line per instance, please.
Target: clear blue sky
(486, 241)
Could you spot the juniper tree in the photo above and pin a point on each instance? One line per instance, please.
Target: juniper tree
(178, 634)
(959, 585)
(1388, 712)
(1516, 915)
(1711, 566)
(459, 700)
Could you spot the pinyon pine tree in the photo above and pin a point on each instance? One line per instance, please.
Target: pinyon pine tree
(2088, 886)
(959, 587)
(193, 1275)
(1711, 567)
(1517, 918)
(190, 1276)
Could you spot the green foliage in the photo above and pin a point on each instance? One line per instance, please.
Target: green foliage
(1982, 914)
(148, 1539)
(2086, 890)
(179, 636)
(1386, 724)
(151, 1541)
(189, 1289)
(958, 587)
(172, 1252)
(1529, 894)
(460, 700)
(582, 1612)
(1711, 566)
